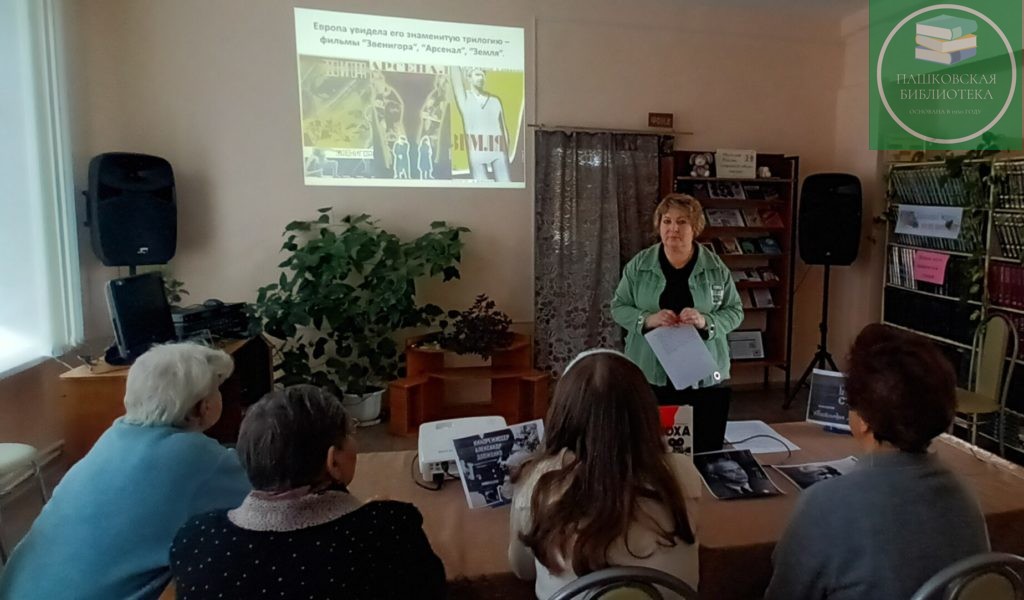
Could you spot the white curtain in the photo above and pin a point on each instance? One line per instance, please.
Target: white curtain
(40, 290)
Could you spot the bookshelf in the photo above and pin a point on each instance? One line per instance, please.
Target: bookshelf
(741, 213)
(984, 265)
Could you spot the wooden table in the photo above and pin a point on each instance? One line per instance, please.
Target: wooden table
(93, 396)
(736, 538)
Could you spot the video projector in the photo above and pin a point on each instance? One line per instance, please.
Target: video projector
(437, 455)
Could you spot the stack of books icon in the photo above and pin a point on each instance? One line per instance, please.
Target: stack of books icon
(946, 40)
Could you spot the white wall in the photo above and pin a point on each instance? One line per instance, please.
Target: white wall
(211, 86)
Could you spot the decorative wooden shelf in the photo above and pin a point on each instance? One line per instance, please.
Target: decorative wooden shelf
(518, 391)
(753, 285)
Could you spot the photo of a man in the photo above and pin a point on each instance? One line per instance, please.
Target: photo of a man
(806, 475)
(732, 474)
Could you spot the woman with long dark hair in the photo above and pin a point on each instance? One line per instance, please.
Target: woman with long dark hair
(604, 491)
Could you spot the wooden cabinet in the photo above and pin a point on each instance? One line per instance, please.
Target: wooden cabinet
(518, 392)
(93, 396)
(740, 243)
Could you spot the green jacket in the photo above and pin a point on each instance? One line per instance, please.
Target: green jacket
(714, 295)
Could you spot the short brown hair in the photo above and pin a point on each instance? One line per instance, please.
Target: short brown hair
(686, 203)
(901, 385)
(284, 438)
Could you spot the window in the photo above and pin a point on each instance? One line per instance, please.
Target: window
(40, 292)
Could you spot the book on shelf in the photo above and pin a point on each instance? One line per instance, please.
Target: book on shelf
(709, 246)
(771, 218)
(1008, 230)
(768, 245)
(762, 298)
(752, 217)
(738, 275)
(749, 246)
(1006, 285)
(946, 318)
(767, 274)
(770, 193)
(752, 191)
(927, 185)
(752, 275)
(729, 245)
(745, 345)
(745, 299)
(724, 217)
(725, 190)
(1009, 190)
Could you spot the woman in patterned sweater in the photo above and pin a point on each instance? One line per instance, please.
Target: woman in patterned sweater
(297, 535)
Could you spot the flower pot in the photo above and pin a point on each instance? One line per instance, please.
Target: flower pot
(364, 408)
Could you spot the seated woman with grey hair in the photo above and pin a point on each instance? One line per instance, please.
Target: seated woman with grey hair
(299, 534)
(107, 531)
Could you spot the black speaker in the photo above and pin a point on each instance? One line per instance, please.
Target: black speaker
(133, 215)
(830, 214)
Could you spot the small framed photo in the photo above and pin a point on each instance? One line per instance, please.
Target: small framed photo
(725, 190)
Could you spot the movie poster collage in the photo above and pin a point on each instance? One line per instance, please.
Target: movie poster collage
(399, 121)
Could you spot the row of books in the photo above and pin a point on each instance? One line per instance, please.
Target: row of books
(755, 274)
(731, 245)
(932, 243)
(901, 273)
(747, 217)
(1009, 187)
(727, 190)
(1006, 285)
(756, 298)
(928, 185)
(1010, 232)
(946, 318)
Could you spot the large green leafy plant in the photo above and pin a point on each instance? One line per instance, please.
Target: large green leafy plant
(346, 288)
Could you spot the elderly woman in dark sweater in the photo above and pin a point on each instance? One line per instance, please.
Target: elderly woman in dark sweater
(297, 535)
(900, 517)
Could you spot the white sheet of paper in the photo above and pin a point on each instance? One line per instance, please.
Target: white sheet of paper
(682, 354)
(741, 430)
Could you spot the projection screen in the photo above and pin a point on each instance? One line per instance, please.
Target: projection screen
(387, 101)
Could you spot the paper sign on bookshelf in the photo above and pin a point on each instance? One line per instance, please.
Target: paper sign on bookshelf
(736, 163)
(929, 221)
(930, 267)
(745, 345)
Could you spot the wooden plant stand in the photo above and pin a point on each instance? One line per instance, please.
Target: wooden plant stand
(518, 391)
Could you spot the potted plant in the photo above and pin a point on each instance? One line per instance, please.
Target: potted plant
(481, 329)
(345, 289)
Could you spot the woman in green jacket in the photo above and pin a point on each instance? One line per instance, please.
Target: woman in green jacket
(680, 282)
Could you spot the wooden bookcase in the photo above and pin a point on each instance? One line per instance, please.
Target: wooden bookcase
(984, 272)
(778, 194)
(518, 391)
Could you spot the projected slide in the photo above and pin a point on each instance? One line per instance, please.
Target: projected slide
(406, 102)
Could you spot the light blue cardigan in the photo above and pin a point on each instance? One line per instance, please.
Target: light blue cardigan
(107, 531)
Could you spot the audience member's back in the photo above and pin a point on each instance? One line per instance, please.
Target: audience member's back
(883, 529)
(297, 535)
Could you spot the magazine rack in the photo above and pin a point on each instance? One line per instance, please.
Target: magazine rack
(518, 391)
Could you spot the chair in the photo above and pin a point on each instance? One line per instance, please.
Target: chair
(17, 463)
(622, 583)
(990, 374)
(988, 576)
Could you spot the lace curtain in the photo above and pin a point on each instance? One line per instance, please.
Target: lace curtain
(595, 194)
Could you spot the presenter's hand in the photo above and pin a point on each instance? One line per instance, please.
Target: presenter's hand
(691, 316)
(662, 318)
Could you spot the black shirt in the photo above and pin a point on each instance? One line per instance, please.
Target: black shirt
(676, 296)
(378, 551)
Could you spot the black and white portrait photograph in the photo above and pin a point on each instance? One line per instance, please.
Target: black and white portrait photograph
(806, 475)
(733, 474)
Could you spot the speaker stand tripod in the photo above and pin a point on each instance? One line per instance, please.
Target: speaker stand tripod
(822, 359)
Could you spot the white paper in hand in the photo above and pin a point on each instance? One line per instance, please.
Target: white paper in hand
(682, 354)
